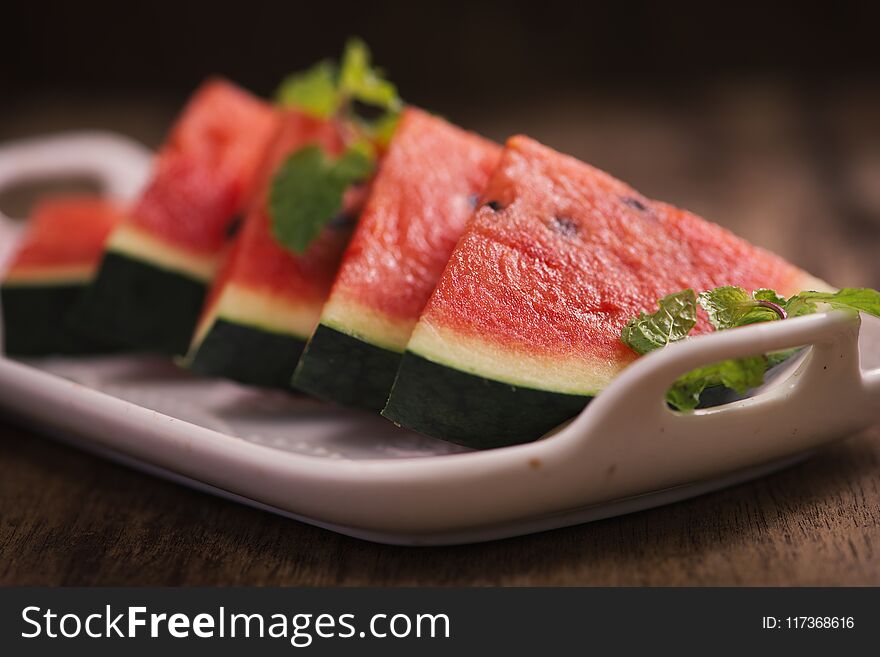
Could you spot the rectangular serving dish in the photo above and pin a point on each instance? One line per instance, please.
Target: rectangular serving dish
(358, 474)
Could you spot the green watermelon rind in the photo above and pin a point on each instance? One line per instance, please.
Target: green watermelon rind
(138, 303)
(445, 402)
(35, 321)
(346, 370)
(247, 354)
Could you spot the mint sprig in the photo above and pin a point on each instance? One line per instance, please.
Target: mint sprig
(313, 91)
(729, 307)
(307, 192)
(740, 374)
(676, 316)
(328, 89)
(359, 80)
(860, 299)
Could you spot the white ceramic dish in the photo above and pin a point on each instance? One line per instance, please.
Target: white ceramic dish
(358, 474)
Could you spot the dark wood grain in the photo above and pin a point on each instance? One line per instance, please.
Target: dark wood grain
(69, 518)
(792, 169)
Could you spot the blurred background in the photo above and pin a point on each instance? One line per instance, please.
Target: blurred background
(762, 117)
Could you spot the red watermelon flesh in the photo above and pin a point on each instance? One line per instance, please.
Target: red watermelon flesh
(423, 197)
(524, 326)
(570, 255)
(54, 263)
(264, 285)
(156, 269)
(205, 173)
(64, 238)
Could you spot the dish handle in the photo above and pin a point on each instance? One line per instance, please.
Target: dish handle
(118, 164)
(826, 395)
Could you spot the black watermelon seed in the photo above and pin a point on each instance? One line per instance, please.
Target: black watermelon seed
(341, 220)
(564, 226)
(495, 205)
(234, 226)
(634, 203)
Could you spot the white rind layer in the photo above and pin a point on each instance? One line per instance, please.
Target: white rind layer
(554, 373)
(573, 376)
(129, 240)
(366, 324)
(261, 310)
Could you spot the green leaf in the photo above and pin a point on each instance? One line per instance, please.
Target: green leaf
(798, 307)
(861, 299)
(724, 305)
(740, 374)
(674, 319)
(326, 90)
(775, 358)
(313, 91)
(763, 294)
(307, 193)
(355, 165)
(730, 306)
(360, 81)
(382, 129)
(684, 395)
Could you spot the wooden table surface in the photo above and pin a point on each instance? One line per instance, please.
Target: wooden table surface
(792, 168)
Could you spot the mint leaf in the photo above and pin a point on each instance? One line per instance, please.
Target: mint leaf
(674, 319)
(327, 90)
(360, 81)
(356, 163)
(775, 358)
(730, 306)
(382, 129)
(725, 305)
(763, 294)
(676, 316)
(861, 299)
(798, 307)
(740, 374)
(307, 193)
(684, 395)
(313, 91)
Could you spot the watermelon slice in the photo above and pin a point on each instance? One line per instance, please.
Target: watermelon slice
(524, 326)
(422, 197)
(153, 278)
(266, 300)
(55, 262)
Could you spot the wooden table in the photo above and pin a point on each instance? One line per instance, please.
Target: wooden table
(794, 169)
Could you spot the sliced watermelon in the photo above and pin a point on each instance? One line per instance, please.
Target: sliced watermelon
(158, 264)
(266, 300)
(55, 262)
(524, 326)
(422, 197)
